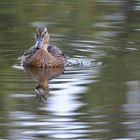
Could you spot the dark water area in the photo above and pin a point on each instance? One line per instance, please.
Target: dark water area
(96, 98)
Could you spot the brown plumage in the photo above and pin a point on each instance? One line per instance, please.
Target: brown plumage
(43, 55)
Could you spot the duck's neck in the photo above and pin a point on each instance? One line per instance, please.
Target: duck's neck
(45, 47)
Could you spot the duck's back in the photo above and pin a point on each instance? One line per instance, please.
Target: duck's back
(57, 53)
(54, 50)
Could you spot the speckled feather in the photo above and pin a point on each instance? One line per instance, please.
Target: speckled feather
(33, 58)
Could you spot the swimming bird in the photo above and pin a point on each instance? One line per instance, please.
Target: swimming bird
(42, 54)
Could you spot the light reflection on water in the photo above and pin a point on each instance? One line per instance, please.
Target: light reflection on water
(65, 101)
(132, 108)
(62, 104)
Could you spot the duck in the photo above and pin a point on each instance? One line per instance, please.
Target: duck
(42, 54)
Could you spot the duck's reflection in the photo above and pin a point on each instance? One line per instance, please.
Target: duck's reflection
(42, 76)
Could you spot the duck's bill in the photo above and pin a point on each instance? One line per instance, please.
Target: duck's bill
(38, 44)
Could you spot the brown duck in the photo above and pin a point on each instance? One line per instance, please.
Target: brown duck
(43, 55)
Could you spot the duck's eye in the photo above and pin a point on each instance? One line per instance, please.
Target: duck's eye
(44, 34)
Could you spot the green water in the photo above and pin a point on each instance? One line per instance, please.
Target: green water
(95, 100)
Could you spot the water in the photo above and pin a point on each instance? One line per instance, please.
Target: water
(95, 98)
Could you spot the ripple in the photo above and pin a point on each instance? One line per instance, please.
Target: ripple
(81, 62)
(21, 115)
(137, 8)
(21, 95)
(36, 23)
(17, 66)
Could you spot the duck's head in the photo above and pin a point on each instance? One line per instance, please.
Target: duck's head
(41, 37)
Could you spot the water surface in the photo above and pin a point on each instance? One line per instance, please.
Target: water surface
(99, 97)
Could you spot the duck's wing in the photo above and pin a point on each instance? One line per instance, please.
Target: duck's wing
(55, 51)
(28, 54)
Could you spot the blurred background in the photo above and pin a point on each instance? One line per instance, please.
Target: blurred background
(96, 98)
